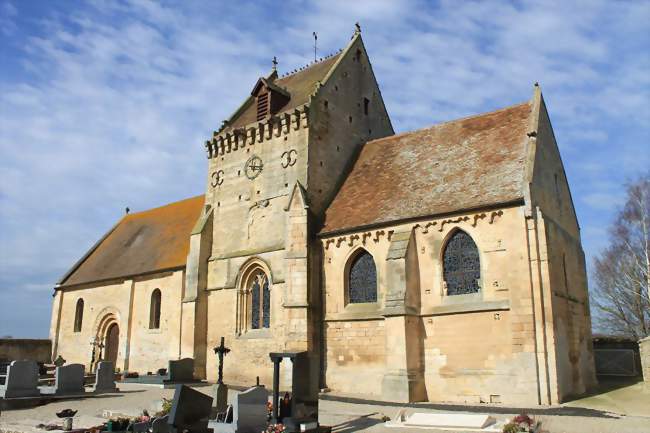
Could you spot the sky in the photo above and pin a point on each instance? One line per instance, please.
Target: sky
(106, 104)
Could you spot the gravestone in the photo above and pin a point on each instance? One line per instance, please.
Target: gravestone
(160, 425)
(181, 370)
(68, 379)
(21, 380)
(247, 414)
(304, 392)
(105, 377)
(59, 361)
(190, 410)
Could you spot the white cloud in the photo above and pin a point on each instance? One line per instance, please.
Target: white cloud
(109, 104)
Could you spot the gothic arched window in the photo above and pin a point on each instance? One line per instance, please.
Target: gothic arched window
(362, 279)
(259, 301)
(154, 310)
(461, 265)
(78, 315)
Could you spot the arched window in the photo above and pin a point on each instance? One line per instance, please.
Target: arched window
(78, 315)
(154, 310)
(259, 300)
(462, 267)
(362, 279)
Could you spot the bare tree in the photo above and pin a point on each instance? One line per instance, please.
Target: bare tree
(622, 271)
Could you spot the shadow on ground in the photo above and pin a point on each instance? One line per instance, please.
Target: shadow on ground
(356, 424)
(560, 411)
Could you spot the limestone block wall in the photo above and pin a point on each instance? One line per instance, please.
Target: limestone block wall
(477, 347)
(127, 304)
(249, 357)
(249, 215)
(572, 321)
(99, 300)
(355, 356)
(151, 349)
(39, 350)
(644, 351)
(345, 112)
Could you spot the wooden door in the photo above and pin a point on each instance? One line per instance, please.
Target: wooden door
(112, 343)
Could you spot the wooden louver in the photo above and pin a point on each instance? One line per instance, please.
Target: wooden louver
(262, 105)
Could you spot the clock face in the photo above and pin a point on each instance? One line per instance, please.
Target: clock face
(253, 167)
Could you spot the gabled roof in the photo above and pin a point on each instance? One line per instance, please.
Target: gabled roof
(465, 164)
(299, 85)
(143, 242)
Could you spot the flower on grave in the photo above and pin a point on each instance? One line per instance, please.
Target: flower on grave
(274, 428)
(520, 423)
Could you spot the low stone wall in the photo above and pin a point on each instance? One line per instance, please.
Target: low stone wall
(644, 351)
(39, 350)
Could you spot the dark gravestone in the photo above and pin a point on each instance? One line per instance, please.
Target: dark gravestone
(304, 391)
(21, 380)
(105, 377)
(190, 410)
(181, 370)
(68, 380)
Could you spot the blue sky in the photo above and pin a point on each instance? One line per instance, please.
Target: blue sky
(105, 104)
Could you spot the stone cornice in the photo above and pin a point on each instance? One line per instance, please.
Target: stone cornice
(231, 140)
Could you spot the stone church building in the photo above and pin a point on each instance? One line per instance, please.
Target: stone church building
(443, 264)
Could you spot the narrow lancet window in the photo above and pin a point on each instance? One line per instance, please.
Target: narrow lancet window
(260, 301)
(79, 315)
(154, 310)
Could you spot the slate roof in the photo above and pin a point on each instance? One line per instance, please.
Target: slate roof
(469, 163)
(142, 242)
(299, 85)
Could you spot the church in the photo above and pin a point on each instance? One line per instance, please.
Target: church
(443, 264)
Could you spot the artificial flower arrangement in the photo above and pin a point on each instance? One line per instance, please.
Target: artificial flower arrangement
(521, 423)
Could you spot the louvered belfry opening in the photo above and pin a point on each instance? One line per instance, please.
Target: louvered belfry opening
(262, 105)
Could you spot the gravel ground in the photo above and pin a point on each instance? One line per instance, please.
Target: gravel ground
(605, 413)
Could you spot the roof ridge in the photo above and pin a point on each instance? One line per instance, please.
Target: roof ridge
(460, 119)
(309, 65)
(164, 205)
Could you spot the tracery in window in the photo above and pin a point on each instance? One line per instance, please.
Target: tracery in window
(362, 279)
(461, 265)
(259, 301)
(78, 315)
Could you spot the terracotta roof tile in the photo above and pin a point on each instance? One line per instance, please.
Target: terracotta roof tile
(142, 242)
(468, 163)
(299, 85)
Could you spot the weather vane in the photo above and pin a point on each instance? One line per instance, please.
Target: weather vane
(315, 41)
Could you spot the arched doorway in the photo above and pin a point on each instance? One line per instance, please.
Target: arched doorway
(112, 343)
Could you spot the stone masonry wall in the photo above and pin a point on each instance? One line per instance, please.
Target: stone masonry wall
(644, 351)
(355, 356)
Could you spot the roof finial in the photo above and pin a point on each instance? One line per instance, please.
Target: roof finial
(275, 63)
(357, 28)
(315, 43)
(127, 210)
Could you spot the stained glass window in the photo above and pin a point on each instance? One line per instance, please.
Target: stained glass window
(260, 301)
(462, 267)
(255, 304)
(362, 281)
(266, 305)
